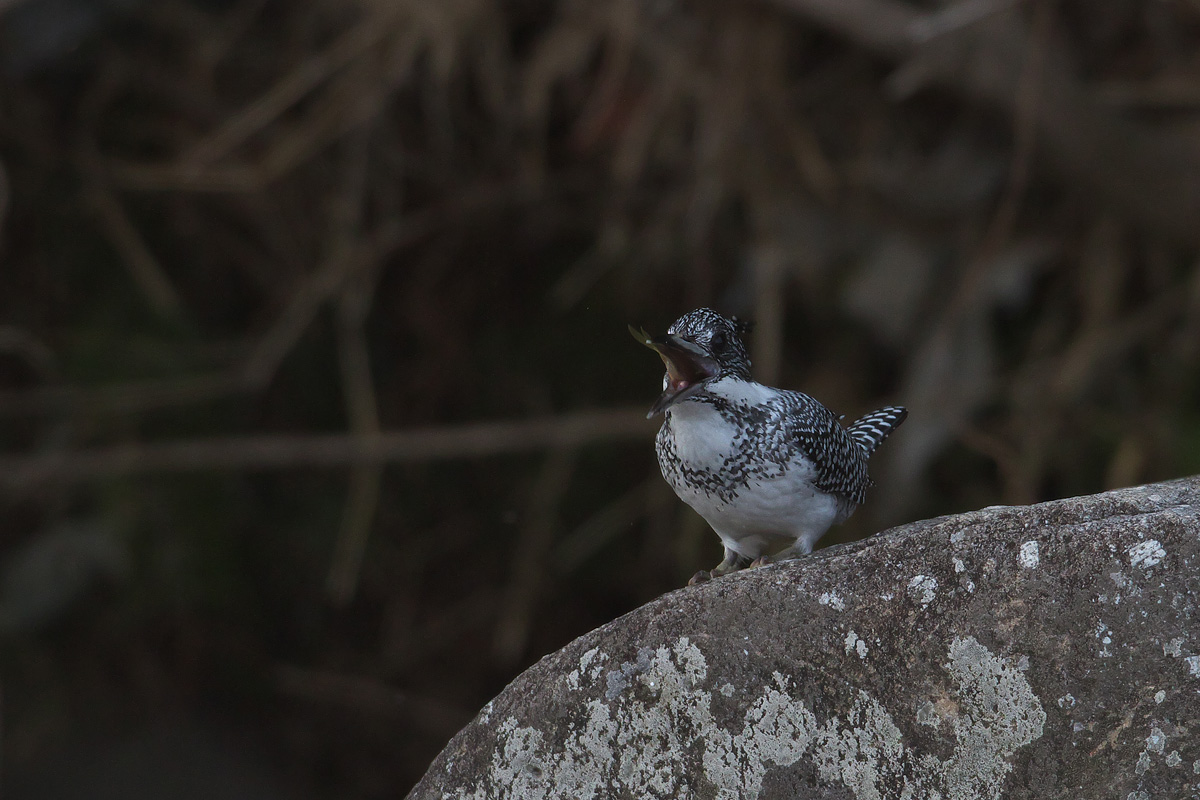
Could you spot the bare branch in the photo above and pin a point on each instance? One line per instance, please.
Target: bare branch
(436, 443)
(121, 398)
(358, 385)
(529, 556)
(143, 267)
(311, 72)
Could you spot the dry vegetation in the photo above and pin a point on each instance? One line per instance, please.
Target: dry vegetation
(319, 417)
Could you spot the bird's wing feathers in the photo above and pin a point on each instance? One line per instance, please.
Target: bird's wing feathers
(841, 463)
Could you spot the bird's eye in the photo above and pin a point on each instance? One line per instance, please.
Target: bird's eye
(718, 340)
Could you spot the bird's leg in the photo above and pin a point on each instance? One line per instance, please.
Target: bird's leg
(800, 548)
(731, 563)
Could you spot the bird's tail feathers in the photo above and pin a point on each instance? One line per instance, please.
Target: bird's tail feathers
(870, 430)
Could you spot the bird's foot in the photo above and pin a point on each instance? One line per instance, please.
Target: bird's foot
(732, 563)
(761, 561)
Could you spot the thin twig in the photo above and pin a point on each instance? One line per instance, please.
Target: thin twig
(1017, 489)
(529, 556)
(139, 396)
(228, 177)
(956, 16)
(769, 279)
(33, 351)
(471, 440)
(121, 398)
(599, 530)
(1078, 364)
(367, 696)
(358, 386)
(5, 198)
(340, 110)
(143, 267)
(329, 278)
(326, 281)
(314, 69)
(443, 628)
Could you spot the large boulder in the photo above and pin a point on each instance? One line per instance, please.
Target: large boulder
(1027, 652)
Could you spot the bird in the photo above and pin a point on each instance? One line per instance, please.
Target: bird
(765, 467)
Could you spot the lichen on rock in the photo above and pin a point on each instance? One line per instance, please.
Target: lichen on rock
(995, 668)
(639, 741)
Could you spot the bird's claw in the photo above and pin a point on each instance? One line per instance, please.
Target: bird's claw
(703, 576)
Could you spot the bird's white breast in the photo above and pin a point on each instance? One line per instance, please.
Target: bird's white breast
(703, 438)
(775, 505)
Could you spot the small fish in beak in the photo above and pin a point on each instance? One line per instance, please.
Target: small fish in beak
(689, 367)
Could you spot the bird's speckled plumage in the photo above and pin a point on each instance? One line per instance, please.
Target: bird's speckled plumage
(761, 465)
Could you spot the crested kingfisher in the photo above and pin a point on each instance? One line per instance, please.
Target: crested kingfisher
(765, 467)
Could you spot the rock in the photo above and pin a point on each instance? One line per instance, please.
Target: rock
(1028, 652)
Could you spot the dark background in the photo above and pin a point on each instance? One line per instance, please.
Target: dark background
(265, 264)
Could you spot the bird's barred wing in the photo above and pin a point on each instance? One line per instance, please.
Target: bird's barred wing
(841, 463)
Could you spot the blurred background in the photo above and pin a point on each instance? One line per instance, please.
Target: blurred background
(320, 419)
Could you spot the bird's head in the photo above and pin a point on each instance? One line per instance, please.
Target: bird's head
(701, 346)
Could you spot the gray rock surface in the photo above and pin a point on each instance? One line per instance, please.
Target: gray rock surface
(1029, 652)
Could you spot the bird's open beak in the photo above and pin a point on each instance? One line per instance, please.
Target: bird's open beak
(689, 366)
